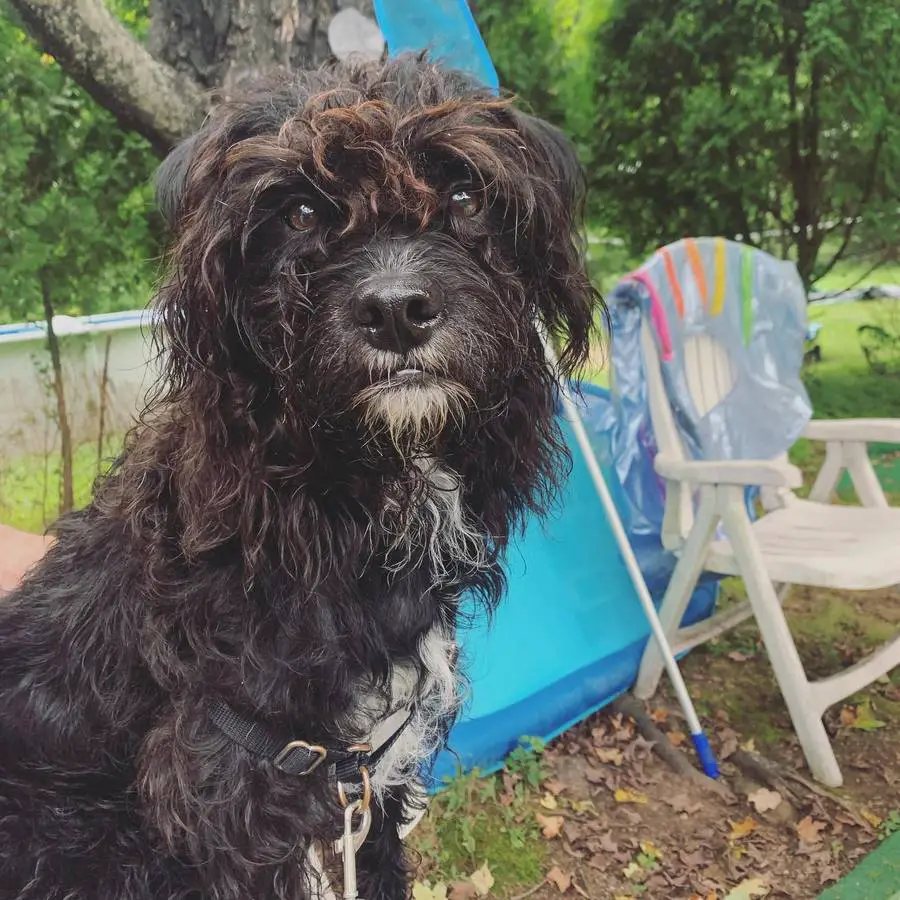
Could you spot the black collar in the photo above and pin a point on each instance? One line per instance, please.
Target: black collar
(296, 757)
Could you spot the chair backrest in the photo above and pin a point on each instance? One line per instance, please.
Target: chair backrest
(721, 339)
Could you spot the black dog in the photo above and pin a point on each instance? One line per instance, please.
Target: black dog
(355, 412)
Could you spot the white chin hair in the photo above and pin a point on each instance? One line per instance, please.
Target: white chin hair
(413, 413)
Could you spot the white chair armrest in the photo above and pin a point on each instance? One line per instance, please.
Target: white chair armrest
(750, 472)
(885, 431)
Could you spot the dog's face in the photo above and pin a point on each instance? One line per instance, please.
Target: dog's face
(374, 247)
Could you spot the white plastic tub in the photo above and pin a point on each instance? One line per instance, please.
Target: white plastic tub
(27, 403)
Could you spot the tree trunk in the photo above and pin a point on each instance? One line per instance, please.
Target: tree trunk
(102, 56)
(193, 46)
(104, 399)
(222, 43)
(67, 454)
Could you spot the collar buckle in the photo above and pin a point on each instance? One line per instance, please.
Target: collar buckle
(320, 755)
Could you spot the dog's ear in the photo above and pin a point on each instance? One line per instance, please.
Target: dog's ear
(556, 155)
(171, 178)
(568, 303)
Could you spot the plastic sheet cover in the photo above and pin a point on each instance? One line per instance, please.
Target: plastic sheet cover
(754, 307)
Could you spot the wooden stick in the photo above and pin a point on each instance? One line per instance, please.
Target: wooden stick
(776, 777)
(761, 770)
(530, 891)
(630, 706)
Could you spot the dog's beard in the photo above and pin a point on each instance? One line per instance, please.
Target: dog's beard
(413, 412)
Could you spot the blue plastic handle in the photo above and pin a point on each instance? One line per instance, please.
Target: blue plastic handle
(706, 755)
(445, 28)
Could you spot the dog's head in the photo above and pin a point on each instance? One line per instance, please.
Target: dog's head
(373, 247)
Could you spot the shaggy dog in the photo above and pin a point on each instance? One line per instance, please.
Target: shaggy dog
(354, 414)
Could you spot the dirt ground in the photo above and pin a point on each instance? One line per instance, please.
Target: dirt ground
(603, 816)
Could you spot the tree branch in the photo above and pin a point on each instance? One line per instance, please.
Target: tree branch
(851, 221)
(98, 52)
(882, 260)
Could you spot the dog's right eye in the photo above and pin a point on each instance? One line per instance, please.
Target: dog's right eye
(302, 217)
(464, 203)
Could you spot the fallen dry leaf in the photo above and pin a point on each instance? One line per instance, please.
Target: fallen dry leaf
(676, 738)
(659, 715)
(695, 859)
(482, 880)
(607, 843)
(555, 786)
(682, 803)
(583, 806)
(764, 800)
(551, 826)
(860, 717)
(633, 870)
(462, 890)
(870, 817)
(424, 891)
(600, 776)
(560, 879)
(625, 795)
(809, 830)
(748, 889)
(610, 755)
(548, 801)
(580, 891)
(743, 828)
(508, 796)
(728, 747)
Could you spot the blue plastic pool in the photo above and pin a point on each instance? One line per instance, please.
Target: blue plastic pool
(568, 637)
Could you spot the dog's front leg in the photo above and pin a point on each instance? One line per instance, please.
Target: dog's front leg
(384, 871)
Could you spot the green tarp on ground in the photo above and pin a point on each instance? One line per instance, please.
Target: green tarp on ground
(877, 877)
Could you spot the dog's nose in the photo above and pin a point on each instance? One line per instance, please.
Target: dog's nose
(398, 313)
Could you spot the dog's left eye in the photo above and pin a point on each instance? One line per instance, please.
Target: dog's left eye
(464, 203)
(302, 217)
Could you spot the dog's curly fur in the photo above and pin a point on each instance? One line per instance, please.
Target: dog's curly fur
(291, 523)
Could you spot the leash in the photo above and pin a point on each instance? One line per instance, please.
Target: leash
(353, 766)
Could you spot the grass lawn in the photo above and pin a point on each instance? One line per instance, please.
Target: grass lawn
(30, 486)
(855, 274)
(842, 384)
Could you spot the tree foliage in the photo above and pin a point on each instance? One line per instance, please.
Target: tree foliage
(546, 54)
(774, 120)
(75, 225)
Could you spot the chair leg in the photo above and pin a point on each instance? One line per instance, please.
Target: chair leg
(678, 593)
(789, 672)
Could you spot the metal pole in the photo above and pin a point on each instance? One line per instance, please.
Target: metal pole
(701, 742)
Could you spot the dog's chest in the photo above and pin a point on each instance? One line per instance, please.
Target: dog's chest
(437, 535)
(423, 697)
(435, 530)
